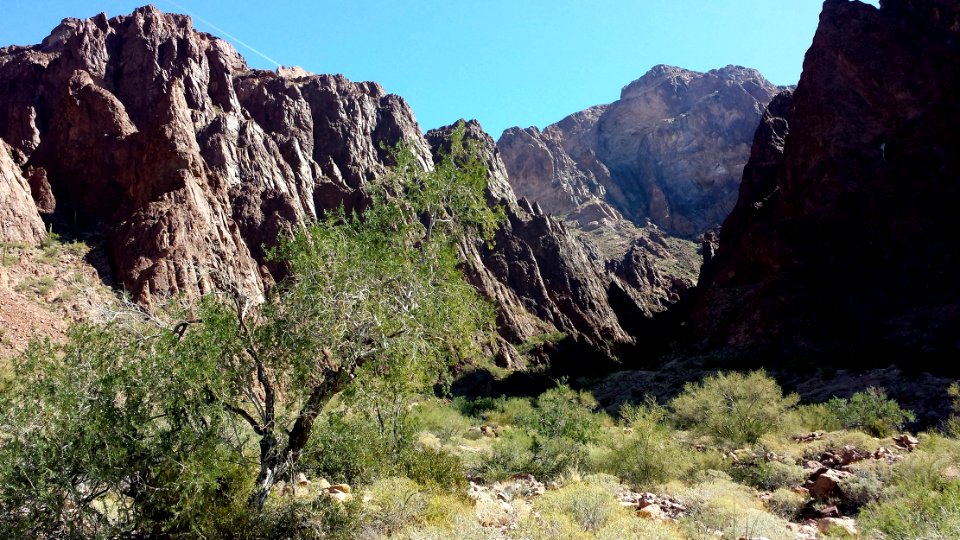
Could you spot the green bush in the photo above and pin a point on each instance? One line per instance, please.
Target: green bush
(815, 417)
(510, 454)
(768, 476)
(319, 518)
(733, 407)
(921, 498)
(871, 411)
(443, 420)
(786, 504)
(564, 412)
(906, 515)
(349, 447)
(395, 504)
(643, 453)
(575, 511)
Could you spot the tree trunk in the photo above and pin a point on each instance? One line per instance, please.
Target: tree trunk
(269, 471)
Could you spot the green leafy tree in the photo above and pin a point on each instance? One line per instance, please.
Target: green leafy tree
(145, 427)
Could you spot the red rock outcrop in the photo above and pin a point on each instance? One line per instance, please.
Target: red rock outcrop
(192, 161)
(19, 220)
(842, 240)
(671, 151)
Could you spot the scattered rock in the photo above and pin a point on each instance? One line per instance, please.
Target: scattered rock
(302, 480)
(651, 511)
(826, 483)
(906, 441)
(810, 437)
(834, 525)
(339, 488)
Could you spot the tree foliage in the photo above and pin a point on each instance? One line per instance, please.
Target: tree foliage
(135, 427)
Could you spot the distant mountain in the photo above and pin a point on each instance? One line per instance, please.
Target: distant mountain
(669, 152)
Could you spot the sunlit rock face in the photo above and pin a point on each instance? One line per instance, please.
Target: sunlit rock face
(670, 151)
(191, 164)
(165, 138)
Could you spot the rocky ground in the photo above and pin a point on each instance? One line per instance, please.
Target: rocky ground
(44, 289)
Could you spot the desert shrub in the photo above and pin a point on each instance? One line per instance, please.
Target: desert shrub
(632, 528)
(319, 518)
(732, 508)
(872, 412)
(733, 407)
(575, 510)
(768, 476)
(510, 454)
(519, 451)
(921, 497)
(438, 418)
(350, 447)
(866, 484)
(931, 515)
(463, 526)
(643, 453)
(814, 417)
(835, 442)
(477, 407)
(512, 412)
(786, 503)
(347, 447)
(433, 468)
(560, 412)
(395, 503)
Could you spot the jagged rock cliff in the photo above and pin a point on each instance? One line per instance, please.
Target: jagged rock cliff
(843, 238)
(548, 280)
(19, 219)
(189, 163)
(670, 151)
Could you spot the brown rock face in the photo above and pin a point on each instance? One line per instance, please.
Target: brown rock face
(163, 136)
(192, 163)
(842, 238)
(19, 220)
(670, 151)
(543, 279)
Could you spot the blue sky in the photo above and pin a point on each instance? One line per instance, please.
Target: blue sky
(503, 62)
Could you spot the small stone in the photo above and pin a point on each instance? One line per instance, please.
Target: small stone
(323, 484)
(302, 480)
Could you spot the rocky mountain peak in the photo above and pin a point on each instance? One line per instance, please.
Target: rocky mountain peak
(670, 152)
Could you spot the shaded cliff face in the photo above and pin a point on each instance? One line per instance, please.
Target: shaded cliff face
(670, 151)
(842, 240)
(546, 279)
(191, 161)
